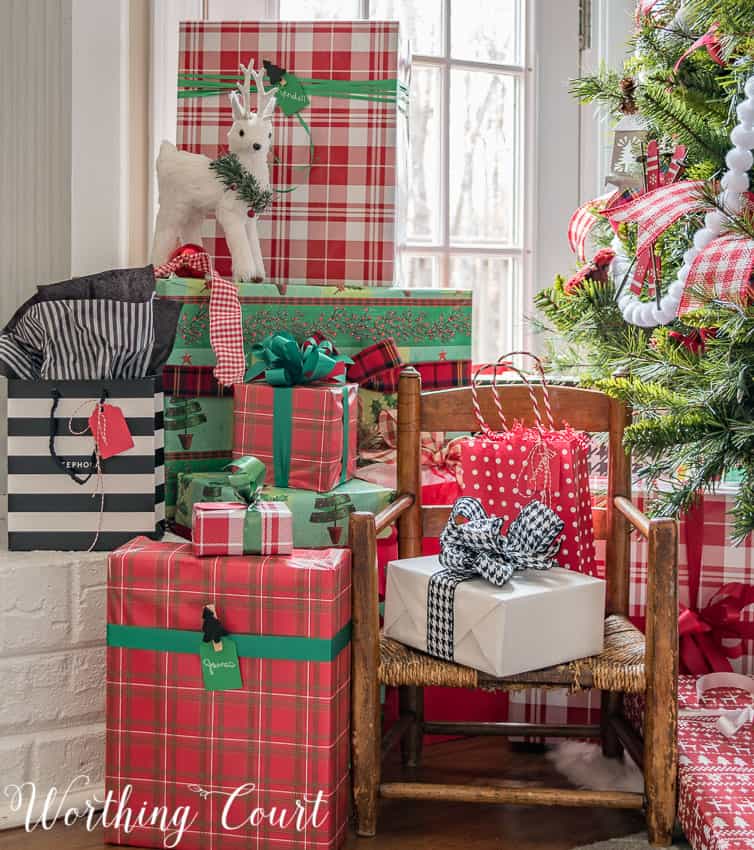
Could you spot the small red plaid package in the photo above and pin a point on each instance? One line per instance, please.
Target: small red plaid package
(228, 734)
(234, 528)
(507, 469)
(305, 434)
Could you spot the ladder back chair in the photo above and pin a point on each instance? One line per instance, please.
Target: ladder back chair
(629, 663)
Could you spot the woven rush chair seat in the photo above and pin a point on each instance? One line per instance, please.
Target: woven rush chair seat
(619, 667)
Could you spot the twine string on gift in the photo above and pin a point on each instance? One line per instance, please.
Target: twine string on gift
(99, 481)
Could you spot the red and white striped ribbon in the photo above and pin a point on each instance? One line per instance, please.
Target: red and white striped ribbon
(225, 325)
(722, 269)
(657, 210)
(584, 219)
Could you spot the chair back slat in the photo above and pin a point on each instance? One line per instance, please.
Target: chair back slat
(434, 518)
(451, 410)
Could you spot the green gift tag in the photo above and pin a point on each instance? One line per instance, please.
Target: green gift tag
(220, 669)
(290, 96)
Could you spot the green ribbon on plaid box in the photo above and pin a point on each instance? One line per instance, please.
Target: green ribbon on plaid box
(270, 647)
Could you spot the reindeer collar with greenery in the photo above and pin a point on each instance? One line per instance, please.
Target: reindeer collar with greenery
(230, 171)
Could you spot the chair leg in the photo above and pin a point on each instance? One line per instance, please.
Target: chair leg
(612, 702)
(411, 700)
(366, 734)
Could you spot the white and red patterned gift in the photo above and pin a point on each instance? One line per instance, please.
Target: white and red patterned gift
(235, 528)
(507, 469)
(337, 156)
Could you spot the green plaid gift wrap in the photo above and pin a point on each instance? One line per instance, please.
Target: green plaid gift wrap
(306, 434)
(428, 325)
(320, 520)
(285, 731)
(198, 438)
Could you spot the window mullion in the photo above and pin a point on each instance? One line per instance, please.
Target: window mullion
(444, 270)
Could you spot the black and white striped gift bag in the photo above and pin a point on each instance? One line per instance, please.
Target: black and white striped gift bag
(47, 507)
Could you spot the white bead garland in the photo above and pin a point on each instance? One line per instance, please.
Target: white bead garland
(734, 183)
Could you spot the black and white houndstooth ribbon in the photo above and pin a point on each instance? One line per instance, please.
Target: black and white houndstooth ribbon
(478, 548)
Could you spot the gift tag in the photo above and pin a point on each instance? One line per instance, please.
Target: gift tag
(220, 670)
(110, 430)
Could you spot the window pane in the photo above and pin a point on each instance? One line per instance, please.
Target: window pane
(489, 33)
(419, 272)
(312, 10)
(483, 151)
(498, 319)
(423, 216)
(421, 21)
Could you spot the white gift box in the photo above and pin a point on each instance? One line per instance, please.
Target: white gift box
(538, 619)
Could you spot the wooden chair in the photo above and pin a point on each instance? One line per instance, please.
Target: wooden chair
(630, 662)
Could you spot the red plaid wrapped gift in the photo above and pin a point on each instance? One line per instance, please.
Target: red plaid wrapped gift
(507, 469)
(235, 528)
(338, 152)
(224, 765)
(305, 434)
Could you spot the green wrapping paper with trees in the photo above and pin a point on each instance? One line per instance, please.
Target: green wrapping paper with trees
(320, 520)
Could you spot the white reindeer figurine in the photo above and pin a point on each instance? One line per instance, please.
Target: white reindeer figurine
(234, 187)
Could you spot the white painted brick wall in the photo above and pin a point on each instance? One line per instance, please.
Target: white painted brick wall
(52, 671)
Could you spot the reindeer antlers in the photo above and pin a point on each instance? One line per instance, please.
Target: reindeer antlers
(265, 100)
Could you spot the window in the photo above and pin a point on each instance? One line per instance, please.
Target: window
(473, 203)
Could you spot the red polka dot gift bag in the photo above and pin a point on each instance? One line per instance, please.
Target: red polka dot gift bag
(508, 468)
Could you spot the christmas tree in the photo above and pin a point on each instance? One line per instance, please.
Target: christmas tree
(682, 355)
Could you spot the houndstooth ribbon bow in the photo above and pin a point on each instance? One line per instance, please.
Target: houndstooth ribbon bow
(478, 546)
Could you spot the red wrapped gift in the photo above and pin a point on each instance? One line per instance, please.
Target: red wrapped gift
(338, 130)
(229, 761)
(235, 528)
(507, 469)
(305, 434)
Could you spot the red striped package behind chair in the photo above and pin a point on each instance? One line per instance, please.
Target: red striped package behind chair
(241, 742)
(507, 469)
(338, 127)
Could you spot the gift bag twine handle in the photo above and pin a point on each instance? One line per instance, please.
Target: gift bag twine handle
(545, 386)
(56, 396)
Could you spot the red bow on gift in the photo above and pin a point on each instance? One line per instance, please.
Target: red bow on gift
(702, 631)
(225, 328)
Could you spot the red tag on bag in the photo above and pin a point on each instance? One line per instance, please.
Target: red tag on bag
(110, 430)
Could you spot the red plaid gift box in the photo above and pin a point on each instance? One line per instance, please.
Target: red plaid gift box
(339, 152)
(235, 528)
(282, 738)
(305, 434)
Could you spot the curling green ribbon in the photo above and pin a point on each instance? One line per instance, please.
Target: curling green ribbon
(283, 363)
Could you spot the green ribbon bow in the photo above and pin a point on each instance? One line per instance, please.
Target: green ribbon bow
(244, 475)
(283, 363)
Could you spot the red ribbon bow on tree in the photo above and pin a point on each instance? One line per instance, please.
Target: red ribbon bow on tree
(703, 630)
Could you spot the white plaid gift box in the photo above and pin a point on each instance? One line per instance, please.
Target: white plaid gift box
(340, 152)
(234, 528)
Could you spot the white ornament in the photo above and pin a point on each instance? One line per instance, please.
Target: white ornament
(735, 183)
(190, 190)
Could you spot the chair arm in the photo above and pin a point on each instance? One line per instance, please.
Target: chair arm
(640, 521)
(387, 516)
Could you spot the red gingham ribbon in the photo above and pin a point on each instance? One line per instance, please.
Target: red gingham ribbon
(723, 268)
(225, 328)
(583, 220)
(655, 211)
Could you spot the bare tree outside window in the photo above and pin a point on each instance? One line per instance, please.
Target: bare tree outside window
(465, 192)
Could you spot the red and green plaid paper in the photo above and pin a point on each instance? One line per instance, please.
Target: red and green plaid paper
(317, 432)
(286, 731)
(338, 224)
(234, 528)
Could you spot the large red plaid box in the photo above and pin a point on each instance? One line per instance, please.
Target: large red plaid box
(338, 155)
(263, 766)
(306, 435)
